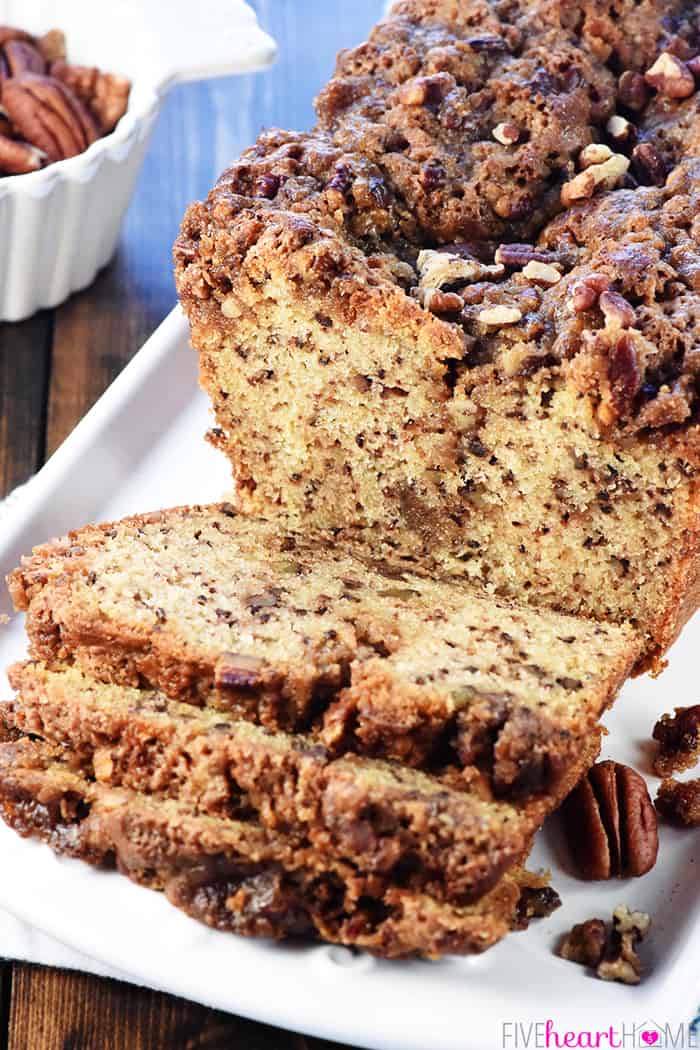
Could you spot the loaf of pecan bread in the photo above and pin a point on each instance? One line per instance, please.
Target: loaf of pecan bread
(234, 874)
(463, 313)
(307, 632)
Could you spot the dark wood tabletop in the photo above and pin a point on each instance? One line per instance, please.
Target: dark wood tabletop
(55, 365)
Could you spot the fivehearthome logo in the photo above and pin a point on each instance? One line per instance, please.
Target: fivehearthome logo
(551, 1035)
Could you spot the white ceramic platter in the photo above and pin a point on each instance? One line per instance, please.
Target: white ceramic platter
(141, 448)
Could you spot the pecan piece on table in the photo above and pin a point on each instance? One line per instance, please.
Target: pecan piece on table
(679, 740)
(611, 824)
(609, 949)
(48, 115)
(679, 802)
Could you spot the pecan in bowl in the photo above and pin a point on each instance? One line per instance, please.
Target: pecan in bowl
(51, 110)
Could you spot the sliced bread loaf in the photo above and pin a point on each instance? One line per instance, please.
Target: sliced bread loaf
(235, 875)
(308, 632)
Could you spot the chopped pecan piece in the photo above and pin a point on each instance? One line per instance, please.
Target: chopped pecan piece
(519, 255)
(621, 131)
(671, 77)
(506, 133)
(679, 740)
(535, 902)
(632, 91)
(648, 165)
(586, 291)
(496, 316)
(616, 310)
(438, 269)
(605, 175)
(585, 943)
(679, 802)
(611, 824)
(239, 671)
(609, 949)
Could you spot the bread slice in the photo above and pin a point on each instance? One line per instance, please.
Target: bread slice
(379, 353)
(307, 632)
(235, 875)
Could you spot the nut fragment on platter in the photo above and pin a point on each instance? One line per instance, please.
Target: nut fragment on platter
(609, 948)
(603, 176)
(670, 77)
(679, 740)
(679, 801)
(495, 316)
(610, 823)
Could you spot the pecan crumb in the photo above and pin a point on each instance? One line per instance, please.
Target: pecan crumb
(670, 77)
(679, 802)
(679, 740)
(605, 175)
(506, 133)
(609, 949)
(495, 316)
(535, 902)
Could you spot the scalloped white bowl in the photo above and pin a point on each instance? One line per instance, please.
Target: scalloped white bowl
(60, 226)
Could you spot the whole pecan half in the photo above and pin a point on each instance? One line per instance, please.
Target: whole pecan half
(106, 95)
(21, 56)
(611, 824)
(19, 158)
(48, 115)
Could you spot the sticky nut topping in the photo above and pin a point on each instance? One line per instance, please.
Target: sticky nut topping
(648, 165)
(678, 736)
(610, 823)
(670, 77)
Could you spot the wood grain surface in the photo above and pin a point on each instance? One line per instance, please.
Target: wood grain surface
(55, 365)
